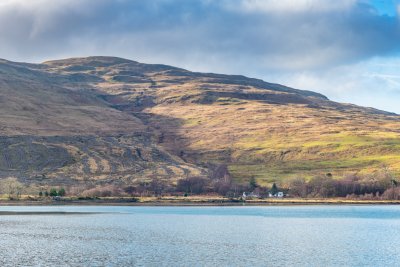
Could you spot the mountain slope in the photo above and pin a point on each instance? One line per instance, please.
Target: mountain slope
(92, 115)
(55, 132)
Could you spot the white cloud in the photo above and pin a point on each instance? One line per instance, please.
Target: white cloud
(374, 82)
(289, 6)
(308, 44)
(178, 29)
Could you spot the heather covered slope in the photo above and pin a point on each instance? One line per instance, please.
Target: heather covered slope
(55, 132)
(112, 119)
(37, 103)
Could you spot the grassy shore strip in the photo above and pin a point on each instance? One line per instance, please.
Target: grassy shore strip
(5, 213)
(192, 201)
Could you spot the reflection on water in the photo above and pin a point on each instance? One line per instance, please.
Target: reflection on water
(205, 236)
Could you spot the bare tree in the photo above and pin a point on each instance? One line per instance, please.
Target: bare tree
(298, 187)
(12, 187)
(192, 185)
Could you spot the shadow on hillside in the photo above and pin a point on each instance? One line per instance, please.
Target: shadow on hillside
(165, 131)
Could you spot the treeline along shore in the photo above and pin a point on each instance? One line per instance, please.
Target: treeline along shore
(200, 200)
(381, 187)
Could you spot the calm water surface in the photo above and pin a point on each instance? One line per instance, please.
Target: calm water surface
(202, 236)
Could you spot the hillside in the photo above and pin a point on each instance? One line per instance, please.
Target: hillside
(106, 120)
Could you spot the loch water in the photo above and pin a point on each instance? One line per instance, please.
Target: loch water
(322, 235)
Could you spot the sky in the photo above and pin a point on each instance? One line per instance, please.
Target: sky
(348, 50)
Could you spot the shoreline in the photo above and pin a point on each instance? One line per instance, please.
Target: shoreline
(193, 201)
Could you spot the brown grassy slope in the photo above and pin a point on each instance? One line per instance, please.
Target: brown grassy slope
(54, 129)
(34, 102)
(116, 106)
(257, 128)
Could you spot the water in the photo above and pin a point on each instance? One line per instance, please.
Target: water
(202, 236)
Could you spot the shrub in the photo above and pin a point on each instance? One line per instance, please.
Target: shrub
(61, 192)
(392, 194)
(53, 192)
(103, 191)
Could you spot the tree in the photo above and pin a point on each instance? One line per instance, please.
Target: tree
(323, 186)
(61, 192)
(157, 186)
(274, 189)
(221, 187)
(53, 192)
(298, 187)
(12, 187)
(40, 194)
(253, 183)
(192, 185)
(46, 194)
(130, 190)
(221, 173)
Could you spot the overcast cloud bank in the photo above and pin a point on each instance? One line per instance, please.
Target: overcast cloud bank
(341, 48)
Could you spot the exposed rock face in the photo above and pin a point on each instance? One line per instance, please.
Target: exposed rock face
(105, 119)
